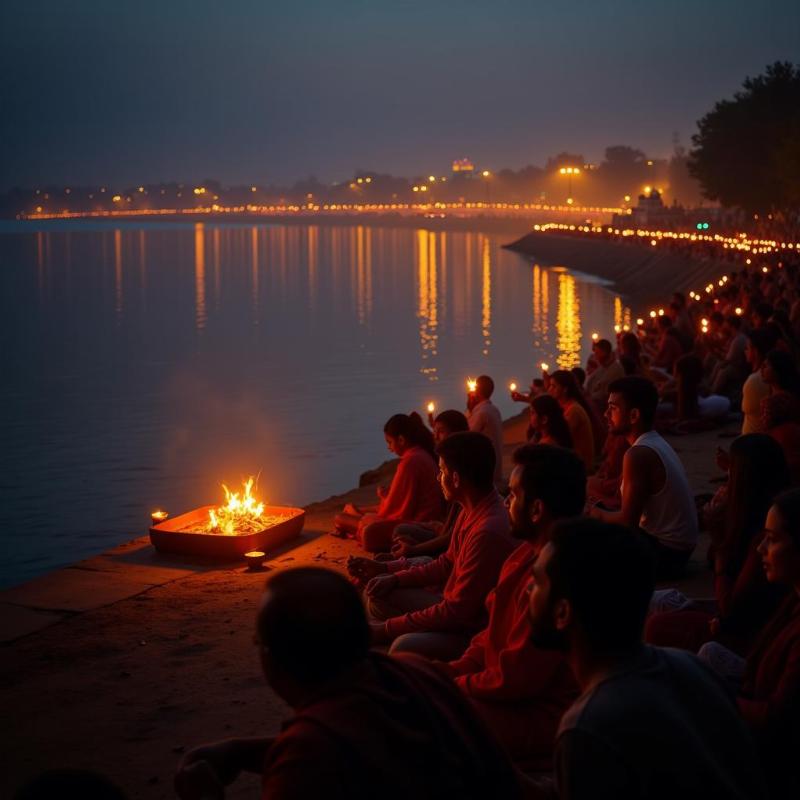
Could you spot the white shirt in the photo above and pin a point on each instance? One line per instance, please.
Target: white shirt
(485, 418)
(669, 515)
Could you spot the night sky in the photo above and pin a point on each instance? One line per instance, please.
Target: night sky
(256, 90)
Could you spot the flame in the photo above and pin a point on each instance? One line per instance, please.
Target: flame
(241, 513)
(431, 408)
(472, 385)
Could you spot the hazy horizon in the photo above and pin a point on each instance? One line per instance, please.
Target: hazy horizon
(271, 94)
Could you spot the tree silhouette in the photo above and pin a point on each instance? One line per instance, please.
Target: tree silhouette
(746, 152)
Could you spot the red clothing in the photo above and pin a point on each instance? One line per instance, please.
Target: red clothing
(414, 494)
(520, 690)
(770, 696)
(395, 728)
(468, 570)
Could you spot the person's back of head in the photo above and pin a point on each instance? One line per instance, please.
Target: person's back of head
(783, 371)
(553, 475)
(630, 346)
(484, 387)
(604, 346)
(452, 421)
(604, 574)
(545, 406)
(311, 626)
(579, 373)
(762, 340)
(472, 456)
(640, 394)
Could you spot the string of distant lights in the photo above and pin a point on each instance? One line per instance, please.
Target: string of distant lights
(289, 209)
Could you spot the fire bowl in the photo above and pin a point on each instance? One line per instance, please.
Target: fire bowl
(170, 537)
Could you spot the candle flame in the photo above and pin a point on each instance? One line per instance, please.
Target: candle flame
(545, 366)
(431, 407)
(512, 386)
(472, 385)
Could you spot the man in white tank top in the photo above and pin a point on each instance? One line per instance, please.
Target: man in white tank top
(656, 498)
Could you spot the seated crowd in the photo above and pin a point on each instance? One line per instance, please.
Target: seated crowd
(507, 638)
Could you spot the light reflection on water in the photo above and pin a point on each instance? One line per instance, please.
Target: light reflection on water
(144, 364)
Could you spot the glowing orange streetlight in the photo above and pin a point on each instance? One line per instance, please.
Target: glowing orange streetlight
(569, 172)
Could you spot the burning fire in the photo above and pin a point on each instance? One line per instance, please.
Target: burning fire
(242, 513)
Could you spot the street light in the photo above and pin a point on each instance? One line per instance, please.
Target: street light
(486, 174)
(569, 172)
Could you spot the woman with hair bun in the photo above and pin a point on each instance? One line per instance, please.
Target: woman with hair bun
(414, 494)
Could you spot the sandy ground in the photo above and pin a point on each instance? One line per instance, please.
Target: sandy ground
(126, 686)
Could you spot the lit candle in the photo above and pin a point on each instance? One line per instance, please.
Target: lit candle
(255, 559)
(617, 328)
(431, 407)
(595, 337)
(545, 367)
(512, 386)
(158, 516)
(652, 315)
(472, 385)
(739, 311)
(640, 322)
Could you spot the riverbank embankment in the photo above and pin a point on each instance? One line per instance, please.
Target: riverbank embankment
(643, 275)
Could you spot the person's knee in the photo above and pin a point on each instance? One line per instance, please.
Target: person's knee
(377, 608)
(376, 537)
(407, 643)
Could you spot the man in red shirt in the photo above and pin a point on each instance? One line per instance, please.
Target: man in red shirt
(520, 690)
(435, 608)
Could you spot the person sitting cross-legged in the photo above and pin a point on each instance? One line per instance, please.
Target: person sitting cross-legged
(434, 609)
(656, 498)
(363, 723)
(415, 542)
(412, 496)
(520, 690)
(651, 723)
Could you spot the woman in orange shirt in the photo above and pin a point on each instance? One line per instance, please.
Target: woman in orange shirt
(414, 494)
(563, 386)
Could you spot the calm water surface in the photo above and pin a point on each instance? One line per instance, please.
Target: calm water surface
(143, 364)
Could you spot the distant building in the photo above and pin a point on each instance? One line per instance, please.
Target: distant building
(650, 212)
(463, 168)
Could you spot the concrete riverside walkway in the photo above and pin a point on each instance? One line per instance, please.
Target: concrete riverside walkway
(122, 662)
